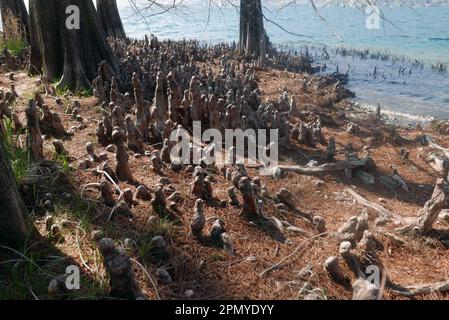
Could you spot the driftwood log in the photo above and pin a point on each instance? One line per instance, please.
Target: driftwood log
(421, 289)
(428, 215)
(433, 145)
(376, 207)
(327, 167)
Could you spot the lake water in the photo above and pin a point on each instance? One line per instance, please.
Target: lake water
(417, 33)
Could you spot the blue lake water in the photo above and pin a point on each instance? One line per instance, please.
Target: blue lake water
(410, 33)
(417, 33)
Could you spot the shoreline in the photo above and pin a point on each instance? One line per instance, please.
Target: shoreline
(399, 119)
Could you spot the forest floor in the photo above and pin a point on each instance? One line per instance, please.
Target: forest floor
(202, 272)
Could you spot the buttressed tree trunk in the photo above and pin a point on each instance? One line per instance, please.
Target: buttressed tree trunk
(62, 50)
(110, 18)
(13, 229)
(46, 40)
(253, 38)
(15, 20)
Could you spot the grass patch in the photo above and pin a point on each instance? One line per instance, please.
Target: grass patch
(14, 46)
(77, 209)
(217, 256)
(26, 274)
(85, 93)
(24, 278)
(18, 156)
(160, 227)
(61, 91)
(64, 162)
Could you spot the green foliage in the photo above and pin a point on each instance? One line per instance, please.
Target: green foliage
(61, 91)
(64, 162)
(18, 156)
(85, 93)
(14, 46)
(27, 273)
(163, 226)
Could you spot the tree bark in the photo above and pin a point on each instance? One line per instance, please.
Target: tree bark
(15, 20)
(253, 38)
(84, 49)
(13, 229)
(70, 54)
(110, 19)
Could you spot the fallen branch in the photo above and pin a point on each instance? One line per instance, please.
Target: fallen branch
(153, 281)
(374, 206)
(229, 264)
(280, 263)
(327, 167)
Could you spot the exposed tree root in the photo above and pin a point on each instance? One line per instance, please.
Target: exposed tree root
(415, 290)
(428, 215)
(281, 263)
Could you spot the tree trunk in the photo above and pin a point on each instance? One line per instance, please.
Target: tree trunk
(15, 20)
(70, 54)
(243, 29)
(84, 49)
(46, 49)
(428, 215)
(13, 229)
(110, 18)
(253, 39)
